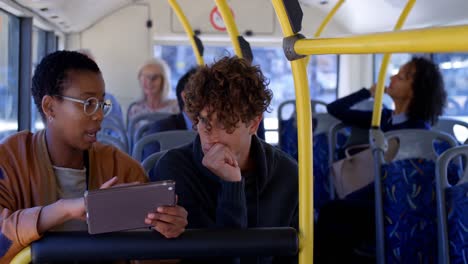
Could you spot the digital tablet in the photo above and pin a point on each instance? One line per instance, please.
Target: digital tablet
(126, 207)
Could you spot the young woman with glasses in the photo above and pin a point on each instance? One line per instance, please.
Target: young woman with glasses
(43, 176)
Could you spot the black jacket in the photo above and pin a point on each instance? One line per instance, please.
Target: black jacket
(267, 197)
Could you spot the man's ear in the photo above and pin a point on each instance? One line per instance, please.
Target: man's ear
(182, 95)
(48, 105)
(254, 124)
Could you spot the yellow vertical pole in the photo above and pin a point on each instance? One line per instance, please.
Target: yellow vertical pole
(304, 130)
(231, 28)
(23, 257)
(328, 18)
(377, 114)
(188, 29)
(325, 23)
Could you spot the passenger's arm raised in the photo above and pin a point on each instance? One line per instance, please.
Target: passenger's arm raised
(341, 109)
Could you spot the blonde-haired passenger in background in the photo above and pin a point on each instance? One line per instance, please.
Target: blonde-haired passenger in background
(154, 78)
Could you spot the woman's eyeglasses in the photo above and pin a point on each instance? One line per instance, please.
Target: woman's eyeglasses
(152, 77)
(91, 105)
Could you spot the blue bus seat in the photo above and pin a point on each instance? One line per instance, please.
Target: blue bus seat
(289, 142)
(409, 210)
(139, 120)
(287, 124)
(110, 140)
(452, 205)
(116, 131)
(150, 162)
(409, 205)
(166, 139)
(457, 204)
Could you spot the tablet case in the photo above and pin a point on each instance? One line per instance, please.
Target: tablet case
(126, 207)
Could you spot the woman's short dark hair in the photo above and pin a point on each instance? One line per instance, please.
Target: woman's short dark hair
(52, 72)
(232, 88)
(429, 96)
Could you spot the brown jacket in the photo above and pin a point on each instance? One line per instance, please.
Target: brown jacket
(28, 183)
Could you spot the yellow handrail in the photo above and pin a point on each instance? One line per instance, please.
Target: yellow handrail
(325, 23)
(304, 131)
(328, 18)
(441, 39)
(23, 257)
(231, 28)
(188, 29)
(379, 91)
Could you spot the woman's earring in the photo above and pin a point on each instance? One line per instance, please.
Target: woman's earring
(51, 118)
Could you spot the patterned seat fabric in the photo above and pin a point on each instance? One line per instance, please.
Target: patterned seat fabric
(410, 211)
(321, 171)
(454, 170)
(288, 134)
(457, 206)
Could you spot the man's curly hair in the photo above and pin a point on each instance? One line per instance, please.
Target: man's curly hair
(231, 88)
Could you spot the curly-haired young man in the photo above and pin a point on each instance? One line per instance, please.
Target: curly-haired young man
(228, 177)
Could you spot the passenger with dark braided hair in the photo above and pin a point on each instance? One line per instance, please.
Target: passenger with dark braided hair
(228, 177)
(44, 175)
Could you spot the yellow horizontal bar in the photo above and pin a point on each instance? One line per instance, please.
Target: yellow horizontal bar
(324, 24)
(231, 28)
(23, 257)
(188, 29)
(443, 39)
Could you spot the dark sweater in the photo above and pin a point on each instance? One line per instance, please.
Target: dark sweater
(341, 109)
(269, 198)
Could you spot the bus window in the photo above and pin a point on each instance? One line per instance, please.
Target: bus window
(38, 52)
(323, 72)
(454, 68)
(9, 73)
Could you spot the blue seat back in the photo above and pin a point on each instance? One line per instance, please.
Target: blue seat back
(321, 171)
(287, 123)
(288, 136)
(289, 141)
(457, 205)
(409, 203)
(452, 205)
(166, 139)
(409, 211)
